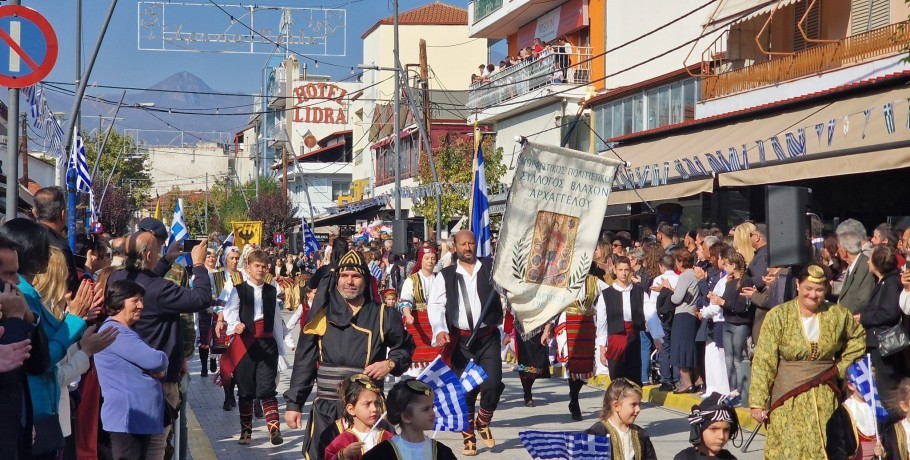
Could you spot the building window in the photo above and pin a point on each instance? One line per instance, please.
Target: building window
(340, 188)
(866, 15)
(665, 105)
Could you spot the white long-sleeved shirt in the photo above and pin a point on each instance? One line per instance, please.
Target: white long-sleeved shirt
(232, 314)
(407, 287)
(436, 302)
(713, 310)
(601, 309)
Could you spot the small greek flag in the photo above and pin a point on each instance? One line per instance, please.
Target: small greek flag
(179, 230)
(859, 374)
(437, 375)
(448, 396)
(310, 245)
(472, 376)
(54, 135)
(480, 211)
(375, 270)
(889, 117)
(33, 99)
(566, 445)
(80, 164)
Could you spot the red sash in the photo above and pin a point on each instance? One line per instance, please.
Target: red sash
(236, 349)
(422, 332)
(616, 343)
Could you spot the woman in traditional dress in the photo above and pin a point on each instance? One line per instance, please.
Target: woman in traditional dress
(415, 290)
(805, 348)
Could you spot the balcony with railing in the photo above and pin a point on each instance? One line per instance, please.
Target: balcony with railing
(719, 79)
(521, 79)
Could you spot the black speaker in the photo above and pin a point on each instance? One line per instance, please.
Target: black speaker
(400, 240)
(788, 223)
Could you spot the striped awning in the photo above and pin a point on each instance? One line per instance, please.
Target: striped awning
(733, 11)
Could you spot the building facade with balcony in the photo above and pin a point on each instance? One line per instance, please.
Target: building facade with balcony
(539, 96)
(749, 93)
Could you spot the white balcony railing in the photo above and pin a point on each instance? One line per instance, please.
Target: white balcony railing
(527, 76)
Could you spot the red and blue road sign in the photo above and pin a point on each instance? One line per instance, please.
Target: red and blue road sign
(28, 46)
(279, 238)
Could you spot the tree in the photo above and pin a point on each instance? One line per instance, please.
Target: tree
(454, 165)
(116, 210)
(194, 204)
(130, 166)
(274, 210)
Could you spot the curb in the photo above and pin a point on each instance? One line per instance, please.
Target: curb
(678, 402)
(200, 447)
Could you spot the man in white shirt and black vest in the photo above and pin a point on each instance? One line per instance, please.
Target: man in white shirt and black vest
(252, 315)
(620, 320)
(465, 313)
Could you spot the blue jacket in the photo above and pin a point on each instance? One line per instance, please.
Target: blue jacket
(133, 399)
(44, 388)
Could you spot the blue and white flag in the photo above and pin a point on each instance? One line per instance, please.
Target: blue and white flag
(375, 270)
(310, 245)
(566, 445)
(859, 374)
(179, 231)
(448, 396)
(472, 376)
(33, 99)
(480, 211)
(54, 134)
(80, 164)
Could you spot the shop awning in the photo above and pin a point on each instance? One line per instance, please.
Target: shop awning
(733, 11)
(661, 192)
(349, 217)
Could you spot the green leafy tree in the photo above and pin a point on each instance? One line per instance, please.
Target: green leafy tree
(129, 168)
(454, 165)
(194, 204)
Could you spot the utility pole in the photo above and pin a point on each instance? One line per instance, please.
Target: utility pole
(284, 172)
(206, 203)
(399, 229)
(23, 148)
(425, 85)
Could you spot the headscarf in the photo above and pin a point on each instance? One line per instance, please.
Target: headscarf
(714, 408)
(424, 250)
(329, 299)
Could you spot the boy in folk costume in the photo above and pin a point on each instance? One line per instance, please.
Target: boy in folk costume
(253, 316)
(620, 319)
(413, 306)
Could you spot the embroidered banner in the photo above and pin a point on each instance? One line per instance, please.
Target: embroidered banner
(552, 221)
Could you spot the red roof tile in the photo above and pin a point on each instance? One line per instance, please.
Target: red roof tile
(435, 14)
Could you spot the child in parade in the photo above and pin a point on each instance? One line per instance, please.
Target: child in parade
(712, 424)
(363, 407)
(622, 404)
(410, 406)
(852, 428)
(894, 438)
(390, 297)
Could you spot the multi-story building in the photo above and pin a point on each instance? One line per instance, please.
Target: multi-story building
(709, 103)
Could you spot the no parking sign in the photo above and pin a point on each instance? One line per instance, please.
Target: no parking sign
(28, 46)
(279, 238)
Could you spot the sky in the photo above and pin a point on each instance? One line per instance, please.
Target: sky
(121, 63)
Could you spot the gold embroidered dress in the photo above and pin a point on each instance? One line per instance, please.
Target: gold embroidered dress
(796, 428)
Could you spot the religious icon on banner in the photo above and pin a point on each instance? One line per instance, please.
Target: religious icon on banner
(552, 248)
(247, 233)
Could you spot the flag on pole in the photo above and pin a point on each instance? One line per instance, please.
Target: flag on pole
(480, 209)
(310, 244)
(33, 99)
(179, 231)
(859, 374)
(80, 164)
(566, 445)
(158, 208)
(472, 376)
(448, 396)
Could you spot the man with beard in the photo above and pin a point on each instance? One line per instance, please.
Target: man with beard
(465, 313)
(346, 333)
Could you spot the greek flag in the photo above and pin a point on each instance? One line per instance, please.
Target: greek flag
(375, 270)
(33, 99)
(179, 231)
(472, 376)
(859, 374)
(310, 245)
(566, 445)
(480, 211)
(53, 133)
(889, 117)
(448, 396)
(80, 164)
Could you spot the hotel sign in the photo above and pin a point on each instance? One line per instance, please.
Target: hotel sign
(334, 111)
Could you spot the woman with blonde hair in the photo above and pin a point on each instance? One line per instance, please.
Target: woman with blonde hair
(742, 241)
(51, 283)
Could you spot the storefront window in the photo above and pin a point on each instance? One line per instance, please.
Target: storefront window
(653, 107)
(661, 106)
(638, 115)
(676, 103)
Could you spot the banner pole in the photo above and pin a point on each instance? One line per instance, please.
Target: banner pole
(473, 175)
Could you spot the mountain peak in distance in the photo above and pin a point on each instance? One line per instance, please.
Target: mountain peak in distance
(183, 81)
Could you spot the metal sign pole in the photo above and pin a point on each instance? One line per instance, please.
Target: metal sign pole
(12, 150)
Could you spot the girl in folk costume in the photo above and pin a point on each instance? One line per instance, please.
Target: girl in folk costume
(622, 404)
(410, 406)
(895, 437)
(533, 353)
(363, 405)
(415, 290)
(852, 430)
(712, 423)
(576, 333)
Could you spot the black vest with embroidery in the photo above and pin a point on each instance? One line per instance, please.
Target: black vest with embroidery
(247, 308)
(613, 302)
(494, 313)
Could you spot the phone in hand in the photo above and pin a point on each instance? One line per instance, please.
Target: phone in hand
(188, 245)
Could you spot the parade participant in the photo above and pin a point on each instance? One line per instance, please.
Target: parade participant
(464, 304)
(223, 282)
(852, 432)
(533, 354)
(205, 322)
(622, 404)
(620, 319)
(253, 316)
(346, 333)
(389, 298)
(410, 406)
(576, 333)
(299, 316)
(415, 291)
(895, 437)
(363, 405)
(806, 345)
(712, 424)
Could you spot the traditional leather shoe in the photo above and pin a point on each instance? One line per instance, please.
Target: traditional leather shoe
(246, 437)
(486, 436)
(470, 447)
(529, 403)
(275, 433)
